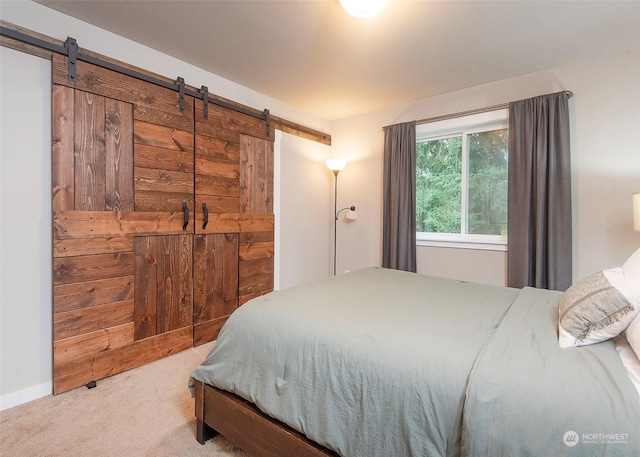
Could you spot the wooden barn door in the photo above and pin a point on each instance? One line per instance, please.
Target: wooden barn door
(122, 257)
(234, 225)
(163, 221)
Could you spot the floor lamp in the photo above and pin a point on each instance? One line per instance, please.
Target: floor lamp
(336, 165)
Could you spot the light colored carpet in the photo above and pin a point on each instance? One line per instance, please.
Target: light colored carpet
(147, 411)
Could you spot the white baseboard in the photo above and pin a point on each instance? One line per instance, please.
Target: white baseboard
(24, 396)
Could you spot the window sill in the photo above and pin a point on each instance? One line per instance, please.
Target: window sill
(459, 244)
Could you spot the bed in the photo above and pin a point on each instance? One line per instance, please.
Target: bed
(381, 362)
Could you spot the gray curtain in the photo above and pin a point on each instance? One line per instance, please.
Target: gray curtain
(399, 197)
(539, 207)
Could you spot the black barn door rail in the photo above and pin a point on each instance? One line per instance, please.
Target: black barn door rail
(70, 49)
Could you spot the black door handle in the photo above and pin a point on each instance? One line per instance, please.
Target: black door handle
(206, 216)
(186, 215)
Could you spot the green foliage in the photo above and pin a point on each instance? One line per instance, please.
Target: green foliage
(438, 193)
(439, 177)
(487, 199)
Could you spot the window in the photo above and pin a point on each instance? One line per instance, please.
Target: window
(461, 181)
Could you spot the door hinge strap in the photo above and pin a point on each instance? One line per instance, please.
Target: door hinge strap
(267, 119)
(204, 90)
(181, 100)
(72, 56)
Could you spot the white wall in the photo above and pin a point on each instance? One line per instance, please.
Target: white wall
(304, 216)
(605, 123)
(25, 228)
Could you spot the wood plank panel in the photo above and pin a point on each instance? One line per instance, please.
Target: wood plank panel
(207, 331)
(78, 372)
(87, 344)
(67, 270)
(216, 204)
(256, 175)
(268, 176)
(119, 155)
(154, 180)
(173, 118)
(234, 223)
(256, 237)
(227, 244)
(222, 187)
(207, 278)
(142, 352)
(86, 320)
(84, 224)
(146, 156)
(145, 301)
(175, 282)
(163, 201)
(256, 285)
(162, 137)
(215, 276)
(252, 251)
(89, 146)
(255, 267)
(218, 148)
(209, 166)
(87, 246)
(223, 121)
(67, 297)
(98, 80)
(62, 138)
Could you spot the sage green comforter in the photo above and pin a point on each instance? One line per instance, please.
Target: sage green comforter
(386, 363)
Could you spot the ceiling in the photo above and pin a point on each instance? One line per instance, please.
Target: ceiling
(313, 56)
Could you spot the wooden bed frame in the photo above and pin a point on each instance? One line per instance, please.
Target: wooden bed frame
(246, 426)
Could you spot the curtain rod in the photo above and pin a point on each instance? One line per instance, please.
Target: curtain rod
(473, 111)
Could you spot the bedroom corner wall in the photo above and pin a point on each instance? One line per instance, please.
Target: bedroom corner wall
(25, 228)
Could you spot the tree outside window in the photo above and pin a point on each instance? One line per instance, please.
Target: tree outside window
(461, 182)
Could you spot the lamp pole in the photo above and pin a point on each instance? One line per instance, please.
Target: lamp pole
(335, 165)
(335, 220)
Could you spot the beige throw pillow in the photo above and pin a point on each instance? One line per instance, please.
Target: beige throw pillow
(597, 308)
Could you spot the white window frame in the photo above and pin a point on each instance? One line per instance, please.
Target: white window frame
(491, 120)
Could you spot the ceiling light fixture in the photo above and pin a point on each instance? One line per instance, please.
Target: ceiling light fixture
(363, 8)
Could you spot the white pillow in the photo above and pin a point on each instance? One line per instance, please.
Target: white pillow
(633, 335)
(631, 270)
(596, 308)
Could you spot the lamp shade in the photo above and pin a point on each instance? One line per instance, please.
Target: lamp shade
(351, 215)
(636, 211)
(336, 164)
(363, 8)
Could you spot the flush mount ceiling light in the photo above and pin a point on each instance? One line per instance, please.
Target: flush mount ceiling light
(363, 8)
